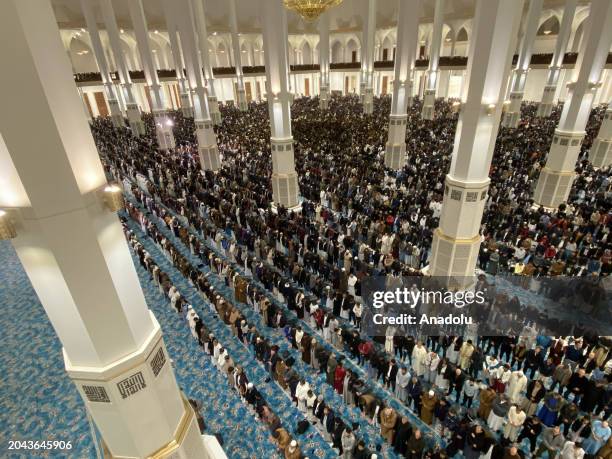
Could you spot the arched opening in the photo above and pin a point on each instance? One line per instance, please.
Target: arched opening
(549, 27)
(83, 59)
(306, 53)
(352, 51)
(336, 53)
(222, 55)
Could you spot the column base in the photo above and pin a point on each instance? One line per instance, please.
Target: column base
(135, 120)
(163, 130)
(186, 108)
(454, 258)
(395, 155)
(601, 153)
(367, 100)
(242, 103)
(553, 187)
(285, 189)
(209, 158)
(213, 108)
(544, 110)
(118, 120)
(511, 119)
(429, 101)
(137, 406)
(323, 104)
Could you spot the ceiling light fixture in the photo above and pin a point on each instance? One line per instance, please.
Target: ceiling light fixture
(310, 10)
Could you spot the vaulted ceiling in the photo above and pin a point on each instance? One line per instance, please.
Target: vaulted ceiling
(345, 17)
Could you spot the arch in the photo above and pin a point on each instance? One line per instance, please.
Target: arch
(245, 56)
(82, 56)
(336, 52)
(462, 35)
(222, 54)
(306, 53)
(352, 51)
(549, 26)
(386, 53)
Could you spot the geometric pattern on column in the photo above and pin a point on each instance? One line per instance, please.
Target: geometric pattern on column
(186, 107)
(285, 188)
(163, 130)
(429, 99)
(395, 150)
(553, 187)
(367, 99)
(546, 106)
(601, 150)
(601, 153)
(116, 115)
(207, 146)
(118, 394)
(457, 240)
(242, 102)
(323, 97)
(556, 178)
(213, 106)
(134, 119)
(513, 115)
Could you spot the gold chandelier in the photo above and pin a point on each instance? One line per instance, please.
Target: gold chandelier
(310, 10)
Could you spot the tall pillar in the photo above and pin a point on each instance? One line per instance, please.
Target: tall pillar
(177, 58)
(132, 109)
(519, 75)
(324, 61)
(405, 54)
(285, 189)
(109, 86)
(456, 241)
(557, 176)
(554, 70)
(163, 124)
(431, 76)
(240, 91)
(367, 58)
(600, 154)
(73, 249)
(200, 21)
(445, 76)
(180, 12)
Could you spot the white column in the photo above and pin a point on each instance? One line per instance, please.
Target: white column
(132, 109)
(405, 54)
(163, 124)
(74, 251)
(324, 61)
(431, 78)
(200, 20)
(367, 58)
(96, 44)
(557, 176)
(456, 241)
(285, 188)
(519, 76)
(600, 154)
(446, 74)
(240, 92)
(554, 70)
(178, 61)
(207, 141)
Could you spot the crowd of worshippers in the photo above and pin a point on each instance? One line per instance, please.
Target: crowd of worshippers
(526, 404)
(393, 214)
(239, 193)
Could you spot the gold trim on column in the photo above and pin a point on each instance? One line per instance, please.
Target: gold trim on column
(560, 173)
(471, 240)
(179, 434)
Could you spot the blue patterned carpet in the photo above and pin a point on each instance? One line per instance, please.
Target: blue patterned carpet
(39, 402)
